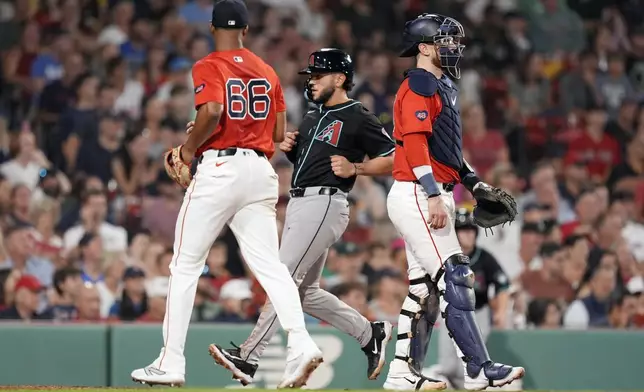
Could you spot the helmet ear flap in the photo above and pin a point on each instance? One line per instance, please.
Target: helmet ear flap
(307, 89)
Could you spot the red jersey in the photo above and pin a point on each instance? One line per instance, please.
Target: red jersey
(251, 94)
(601, 156)
(414, 113)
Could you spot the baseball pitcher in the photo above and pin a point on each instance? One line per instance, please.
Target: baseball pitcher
(428, 163)
(239, 97)
(328, 153)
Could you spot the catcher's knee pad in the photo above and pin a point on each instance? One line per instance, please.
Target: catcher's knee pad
(424, 296)
(459, 311)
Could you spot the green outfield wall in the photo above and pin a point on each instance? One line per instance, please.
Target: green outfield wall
(105, 355)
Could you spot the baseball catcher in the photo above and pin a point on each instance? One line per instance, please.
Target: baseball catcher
(428, 163)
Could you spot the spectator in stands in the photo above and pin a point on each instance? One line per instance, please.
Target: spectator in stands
(26, 167)
(621, 311)
(624, 176)
(20, 204)
(21, 257)
(206, 307)
(575, 179)
(93, 220)
(544, 313)
(592, 311)
(530, 89)
(578, 86)
(88, 304)
(622, 127)
(134, 299)
(548, 281)
(389, 291)
(600, 150)
(235, 296)
(587, 212)
(608, 231)
(159, 213)
(78, 125)
(111, 286)
(614, 85)
(96, 154)
(27, 294)
(67, 284)
(532, 237)
(90, 248)
(347, 266)
(354, 295)
(482, 148)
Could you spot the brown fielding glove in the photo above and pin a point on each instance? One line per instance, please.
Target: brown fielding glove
(176, 168)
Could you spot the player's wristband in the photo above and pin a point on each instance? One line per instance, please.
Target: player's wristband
(429, 185)
(470, 180)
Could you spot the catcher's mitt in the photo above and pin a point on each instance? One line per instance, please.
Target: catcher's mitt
(176, 168)
(494, 206)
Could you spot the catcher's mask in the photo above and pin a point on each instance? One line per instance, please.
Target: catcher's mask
(326, 61)
(443, 32)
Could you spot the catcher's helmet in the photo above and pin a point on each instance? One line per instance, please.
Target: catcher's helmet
(329, 60)
(464, 220)
(443, 32)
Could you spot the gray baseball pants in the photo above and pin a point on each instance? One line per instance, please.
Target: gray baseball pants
(313, 223)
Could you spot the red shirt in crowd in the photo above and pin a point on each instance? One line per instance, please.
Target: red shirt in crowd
(483, 153)
(600, 155)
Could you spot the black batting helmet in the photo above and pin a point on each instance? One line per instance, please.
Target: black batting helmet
(464, 220)
(330, 60)
(443, 32)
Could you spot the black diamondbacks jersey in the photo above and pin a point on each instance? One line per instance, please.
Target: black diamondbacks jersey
(348, 130)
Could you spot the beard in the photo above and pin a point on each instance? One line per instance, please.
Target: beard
(436, 60)
(325, 95)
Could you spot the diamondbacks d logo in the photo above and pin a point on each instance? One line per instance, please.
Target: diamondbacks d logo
(330, 134)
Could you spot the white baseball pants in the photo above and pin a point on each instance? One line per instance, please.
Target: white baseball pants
(241, 191)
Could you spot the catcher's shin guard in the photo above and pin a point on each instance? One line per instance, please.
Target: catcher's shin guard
(418, 315)
(458, 307)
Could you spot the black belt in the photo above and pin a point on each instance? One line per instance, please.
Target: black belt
(231, 151)
(325, 191)
(447, 187)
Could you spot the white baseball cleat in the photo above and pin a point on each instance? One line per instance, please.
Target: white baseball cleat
(299, 369)
(482, 381)
(412, 382)
(151, 375)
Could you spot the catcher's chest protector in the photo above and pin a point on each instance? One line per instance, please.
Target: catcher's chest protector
(446, 140)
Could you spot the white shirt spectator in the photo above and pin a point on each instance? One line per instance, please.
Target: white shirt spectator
(112, 35)
(114, 237)
(107, 298)
(633, 233)
(17, 173)
(129, 102)
(576, 316)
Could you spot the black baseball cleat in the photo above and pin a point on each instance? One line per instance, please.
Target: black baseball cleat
(376, 349)
(230, 358)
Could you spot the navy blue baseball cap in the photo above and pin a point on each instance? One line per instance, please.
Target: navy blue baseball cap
(229, 14)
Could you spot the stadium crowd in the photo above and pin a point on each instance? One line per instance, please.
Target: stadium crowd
(92, 92)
